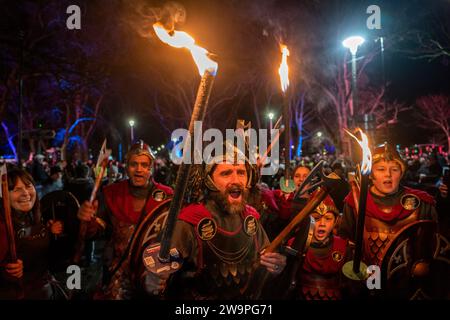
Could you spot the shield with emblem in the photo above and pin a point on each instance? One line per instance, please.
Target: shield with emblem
(147, 233)
(62, 206)
(416, 264)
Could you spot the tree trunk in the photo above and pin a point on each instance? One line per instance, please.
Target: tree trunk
(66, 135)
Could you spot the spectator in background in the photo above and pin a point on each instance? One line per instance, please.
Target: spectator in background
(38, 173)
(54, 182)
(81, 185)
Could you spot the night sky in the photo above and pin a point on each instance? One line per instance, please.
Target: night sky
(244, 36)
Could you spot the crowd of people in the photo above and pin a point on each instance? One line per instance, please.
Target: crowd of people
(224, 237)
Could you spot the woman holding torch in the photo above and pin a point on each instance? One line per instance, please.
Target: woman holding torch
(24, 266)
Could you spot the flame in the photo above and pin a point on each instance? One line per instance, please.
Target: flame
(283, 71)
(366, 163)
(180, 39)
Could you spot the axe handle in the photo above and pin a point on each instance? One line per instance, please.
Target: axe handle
(310, 206)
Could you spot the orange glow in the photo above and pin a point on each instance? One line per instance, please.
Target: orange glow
(366, 163)
(180, 39)
(283, 71)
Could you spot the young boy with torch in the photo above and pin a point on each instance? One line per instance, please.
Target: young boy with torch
(399, 226)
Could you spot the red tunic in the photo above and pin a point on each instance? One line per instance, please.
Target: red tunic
(120, 201)
(193, 213)
(319, 278)
(123, 221)
(398, 211)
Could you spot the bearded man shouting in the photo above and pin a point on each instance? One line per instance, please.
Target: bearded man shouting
(219, 239)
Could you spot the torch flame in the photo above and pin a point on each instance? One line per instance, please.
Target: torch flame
(283, 71)
(366, 163)
(180, 39)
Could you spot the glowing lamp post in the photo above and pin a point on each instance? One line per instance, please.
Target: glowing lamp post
(270, 115)
(352, 43)
(131, 123)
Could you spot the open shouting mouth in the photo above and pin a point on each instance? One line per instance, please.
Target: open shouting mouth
(388, 183)
(235, 194)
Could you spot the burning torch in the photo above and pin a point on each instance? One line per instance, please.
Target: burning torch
(161, 257)
(287, 185)
(356, 269)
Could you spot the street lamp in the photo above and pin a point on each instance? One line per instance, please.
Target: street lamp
(352, 43)
(383, 73)
(319, 134)
(131, 123)
(270, 115)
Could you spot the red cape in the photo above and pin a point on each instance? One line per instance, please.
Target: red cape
(120, 201)
(398, 212)
(193, 213)
(326, 264)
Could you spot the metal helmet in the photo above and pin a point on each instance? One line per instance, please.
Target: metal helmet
(327, 205)
(232, 155)
(387, 152)
(140, 148)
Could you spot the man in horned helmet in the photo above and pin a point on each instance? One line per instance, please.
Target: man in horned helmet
(121, 206)
(399, 230)
(220, 239)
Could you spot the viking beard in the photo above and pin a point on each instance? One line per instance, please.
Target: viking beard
(221, 199)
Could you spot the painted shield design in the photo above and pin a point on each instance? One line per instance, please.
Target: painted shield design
(148, 232)
(416, 264)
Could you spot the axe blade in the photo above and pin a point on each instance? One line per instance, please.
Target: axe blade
(316, 170)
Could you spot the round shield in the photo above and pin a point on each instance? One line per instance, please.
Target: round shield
(147, 233)
(414, 266)
(62, 206)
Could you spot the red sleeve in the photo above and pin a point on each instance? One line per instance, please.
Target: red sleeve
(268, 197)
(193, 213)
(290, 241)
(284, 205)
(250, 211)
(349, 200)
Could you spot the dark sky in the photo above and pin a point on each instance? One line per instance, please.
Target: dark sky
(242, 34)
(409, 78)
